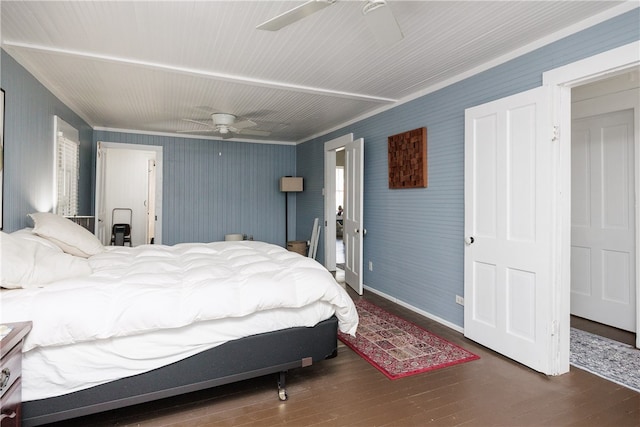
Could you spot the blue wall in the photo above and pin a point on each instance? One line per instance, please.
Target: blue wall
(415, 237)
(216, 187)
(29, 146)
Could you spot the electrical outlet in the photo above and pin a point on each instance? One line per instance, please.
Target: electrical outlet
(459, 300)
(370, 265)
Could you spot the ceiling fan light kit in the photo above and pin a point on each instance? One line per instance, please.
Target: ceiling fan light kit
(371, 5)
(222, 119)
(381, 22)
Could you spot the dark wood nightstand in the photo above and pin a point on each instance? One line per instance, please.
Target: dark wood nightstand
(11, 374)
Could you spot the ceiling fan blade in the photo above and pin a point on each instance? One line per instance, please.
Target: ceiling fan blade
(198, 122)
(196, 131)
(294, 15)
(381, 22)
(253, 132)
(205, 109)
(246, 123)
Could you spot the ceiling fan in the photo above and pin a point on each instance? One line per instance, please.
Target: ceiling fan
(377, 15)
(227, 125)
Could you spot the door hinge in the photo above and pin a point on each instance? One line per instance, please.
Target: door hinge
(555, 135)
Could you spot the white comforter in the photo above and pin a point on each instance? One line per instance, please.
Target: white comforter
(154, 287)
(149, 306)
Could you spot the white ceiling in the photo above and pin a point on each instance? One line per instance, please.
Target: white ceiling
(145, 66)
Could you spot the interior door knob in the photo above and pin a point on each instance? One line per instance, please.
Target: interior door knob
(469, 240)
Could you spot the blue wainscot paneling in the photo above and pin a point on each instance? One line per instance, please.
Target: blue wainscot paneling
(415, 236)
(217, 187)
(29, 146)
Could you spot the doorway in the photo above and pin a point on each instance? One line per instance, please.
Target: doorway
(553, 131)
(330, 164)
(596, 68)
(604, 218)
(353, 229)
(129, 190)
(340, 199)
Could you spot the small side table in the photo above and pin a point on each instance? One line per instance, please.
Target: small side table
(299, 246)
(11, 373)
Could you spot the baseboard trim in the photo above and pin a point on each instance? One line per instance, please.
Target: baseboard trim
(416, 310)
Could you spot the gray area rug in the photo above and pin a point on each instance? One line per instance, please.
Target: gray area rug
(611, 360)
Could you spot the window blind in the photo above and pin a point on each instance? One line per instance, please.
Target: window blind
(67, 173)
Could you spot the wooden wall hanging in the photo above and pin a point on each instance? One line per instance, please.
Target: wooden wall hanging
(408, 159)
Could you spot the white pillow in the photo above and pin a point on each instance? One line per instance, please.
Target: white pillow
(28, 234)
(71, 237)
(25, 263)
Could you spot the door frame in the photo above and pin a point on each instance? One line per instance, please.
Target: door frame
(158, 187)
(329, 192)
(561, 80)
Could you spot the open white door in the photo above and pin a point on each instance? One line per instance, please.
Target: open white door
(353, 231)
(100, 205)
(508, 227)
(151, 202)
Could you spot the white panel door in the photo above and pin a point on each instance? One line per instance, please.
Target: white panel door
(151, 202)
(508, 260)
(602, 219)
(353, 232)
(100, 202)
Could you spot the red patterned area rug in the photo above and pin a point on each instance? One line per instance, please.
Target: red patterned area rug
(399, 348)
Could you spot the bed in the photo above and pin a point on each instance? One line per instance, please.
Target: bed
(118, 326)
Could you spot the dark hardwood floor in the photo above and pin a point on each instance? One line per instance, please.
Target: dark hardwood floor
(347, 391)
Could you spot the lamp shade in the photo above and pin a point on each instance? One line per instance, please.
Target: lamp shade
(291, 184)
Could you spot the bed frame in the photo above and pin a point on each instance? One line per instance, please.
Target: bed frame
(250, 357)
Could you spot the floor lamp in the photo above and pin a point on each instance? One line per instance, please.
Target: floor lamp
(289, 184)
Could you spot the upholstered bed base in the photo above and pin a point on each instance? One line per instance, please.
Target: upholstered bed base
(234, 361)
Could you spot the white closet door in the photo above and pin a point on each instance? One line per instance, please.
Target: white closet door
(602, 220)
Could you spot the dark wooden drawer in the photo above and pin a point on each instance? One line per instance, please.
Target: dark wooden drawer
(10, 368)
(11, 374)
(10, 405)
